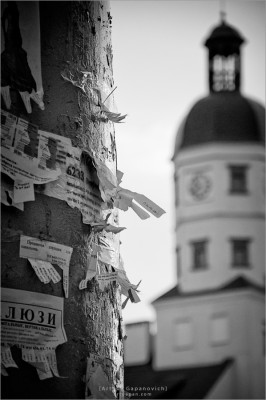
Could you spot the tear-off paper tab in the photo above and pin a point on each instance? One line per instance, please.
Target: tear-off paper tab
(125, 197)
(6, 358)
(23, 191)
(44, 361)
(47, 251)
(45, 271)
(34, 322)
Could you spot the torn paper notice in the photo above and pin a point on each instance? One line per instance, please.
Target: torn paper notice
(23, 191)
(6, 357)
(47, 251)
(105, 279)
(107, 179)
(20, 168)
(21, 56)
(31, 319)
(92, 267)
(93, 363)
(107, 255)
(45, 271)
(98, 381)
(53, 148)
(78, 185)
(125, 197)
(108, 249)
(105, 225)
(43, 151)
(8, 128)
(7, 195)
(18, 134)
(123, 279)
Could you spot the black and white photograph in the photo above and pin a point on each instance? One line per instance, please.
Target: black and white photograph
(133, 199)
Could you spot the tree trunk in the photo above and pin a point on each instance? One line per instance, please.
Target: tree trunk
(75, 38)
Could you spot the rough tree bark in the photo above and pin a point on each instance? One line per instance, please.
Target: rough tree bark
(75, 36)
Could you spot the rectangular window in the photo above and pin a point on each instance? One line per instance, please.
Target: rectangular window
(238, 179)
(183, 334)
(199, 255)
(219, 330)
(240, 252)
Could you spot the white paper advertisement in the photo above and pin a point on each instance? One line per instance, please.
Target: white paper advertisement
(32, 320)
(19, 168)
(78, 185)
(54, 253)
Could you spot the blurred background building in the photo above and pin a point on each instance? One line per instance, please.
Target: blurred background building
(210, 340)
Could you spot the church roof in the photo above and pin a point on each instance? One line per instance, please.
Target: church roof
(236, 284)
(224, 117)
(182, 383)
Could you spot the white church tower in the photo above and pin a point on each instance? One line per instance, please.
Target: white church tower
(216, 310)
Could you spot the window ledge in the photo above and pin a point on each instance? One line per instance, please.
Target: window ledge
(236, 193)
(199, 269)
(248, 266)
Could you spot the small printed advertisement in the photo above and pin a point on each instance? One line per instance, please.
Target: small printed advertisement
(31, 320)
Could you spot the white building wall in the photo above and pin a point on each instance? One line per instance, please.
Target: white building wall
(218, 232)
(137, 344)
(245, 312)
(220, 215)
(199, 311)
(214, 160)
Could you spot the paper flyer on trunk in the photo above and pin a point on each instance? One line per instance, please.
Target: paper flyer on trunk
(21, 53)
(32, 320)
(27, 155)
(54, 253)
(78, 185)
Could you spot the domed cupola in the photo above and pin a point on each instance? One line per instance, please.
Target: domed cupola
(225, 115)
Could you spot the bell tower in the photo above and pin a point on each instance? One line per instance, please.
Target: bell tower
(219, 170)
(216, 310)
(224, 58)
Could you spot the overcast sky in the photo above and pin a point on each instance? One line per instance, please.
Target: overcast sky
(160, 69)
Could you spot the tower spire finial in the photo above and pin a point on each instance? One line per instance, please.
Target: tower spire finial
(222, 11)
